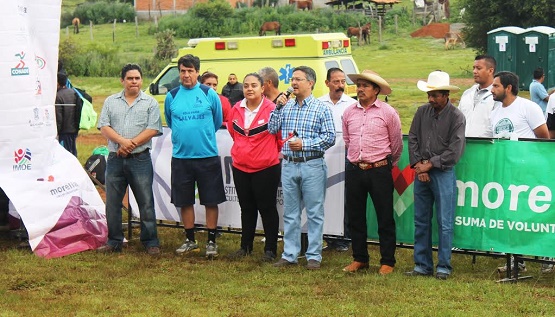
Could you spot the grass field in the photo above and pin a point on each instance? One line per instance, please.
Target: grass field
(134, 284)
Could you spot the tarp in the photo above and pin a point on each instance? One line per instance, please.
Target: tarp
(45, 183)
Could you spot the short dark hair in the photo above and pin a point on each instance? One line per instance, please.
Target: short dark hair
(62, 79)
(257, 76)
(309, 72)
(207, 75)
(508, 78)
(129, 67)
(538, 73)
(331, 71)
(490, 61)
(189, 60)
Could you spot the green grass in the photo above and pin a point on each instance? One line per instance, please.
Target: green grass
(133, 284)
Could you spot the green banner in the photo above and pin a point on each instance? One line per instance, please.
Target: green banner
(504, 198)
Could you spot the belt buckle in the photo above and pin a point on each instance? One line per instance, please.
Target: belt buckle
(364, 166)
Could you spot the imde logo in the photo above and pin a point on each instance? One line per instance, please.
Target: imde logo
(22, 160)
(41, 62)
(20, 69)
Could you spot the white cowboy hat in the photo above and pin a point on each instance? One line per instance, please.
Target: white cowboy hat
(437, 80)
(372, 77)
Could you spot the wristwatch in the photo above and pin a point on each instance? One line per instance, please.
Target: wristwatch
(424, 161)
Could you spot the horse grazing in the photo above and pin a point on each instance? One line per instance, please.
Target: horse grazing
(452, 38)
(270, 26)
(362, 33)
(302, 4)
(75, 22)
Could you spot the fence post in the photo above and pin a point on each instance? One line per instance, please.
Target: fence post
(67, 31)
(380, 28)
(114, 31)
(90, 30)
(396, 26)
(136, 26)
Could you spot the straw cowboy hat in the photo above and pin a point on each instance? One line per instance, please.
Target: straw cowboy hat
(372, 77)
(437, 80)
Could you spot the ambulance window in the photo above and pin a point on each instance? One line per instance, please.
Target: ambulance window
(169, 80)
(348, 67)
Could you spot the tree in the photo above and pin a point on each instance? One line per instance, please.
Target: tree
(482, 16)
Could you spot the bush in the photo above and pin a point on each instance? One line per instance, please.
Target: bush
(165, 47)
(90, 60)
(103, 12)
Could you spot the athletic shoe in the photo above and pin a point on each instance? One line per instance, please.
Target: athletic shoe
(547, 267)
(153, 251)
(211, 249)
(521, 266)
(187, 247)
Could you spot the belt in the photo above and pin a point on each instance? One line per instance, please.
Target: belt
(366, 166)
(301, 158)
(134, 155)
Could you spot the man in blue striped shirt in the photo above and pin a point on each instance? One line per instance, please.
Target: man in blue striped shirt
(309, 125)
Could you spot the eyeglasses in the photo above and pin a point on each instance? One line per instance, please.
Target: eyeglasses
(297, 79)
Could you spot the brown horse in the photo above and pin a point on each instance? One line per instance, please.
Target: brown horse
(75, 22)
(362, 33)
(302, 4)
(270, 26)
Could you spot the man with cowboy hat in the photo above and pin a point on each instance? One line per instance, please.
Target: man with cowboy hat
(374, 142)
(436, 143)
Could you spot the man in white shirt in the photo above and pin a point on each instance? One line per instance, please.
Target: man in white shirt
(338, 101)
(477, 102)
(517, 117)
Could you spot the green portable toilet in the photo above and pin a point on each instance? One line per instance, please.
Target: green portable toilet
(502, 45)
(536, 49)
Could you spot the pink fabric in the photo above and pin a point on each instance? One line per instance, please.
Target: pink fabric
(371, 135)
(78, 229)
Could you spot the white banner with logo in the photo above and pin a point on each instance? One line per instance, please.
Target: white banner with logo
(60, 207)
(230, 211)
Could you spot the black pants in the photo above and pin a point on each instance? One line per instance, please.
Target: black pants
(4, 207)
(377, 182)
(257, 193)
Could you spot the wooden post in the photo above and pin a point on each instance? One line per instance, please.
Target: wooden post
(380, 28)
(137, 26)
(114, 31)
(156, 22)
(90, 30)
(396, 25)
(67, 31)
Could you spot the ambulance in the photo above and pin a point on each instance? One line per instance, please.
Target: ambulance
(243, 55)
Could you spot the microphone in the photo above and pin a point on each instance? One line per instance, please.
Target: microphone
(287, 94)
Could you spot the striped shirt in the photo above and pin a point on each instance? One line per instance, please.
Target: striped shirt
(372, 134)
(130, 120)
(313, 122)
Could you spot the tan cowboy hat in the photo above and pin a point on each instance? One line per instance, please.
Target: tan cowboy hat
(437, 80)
(372, 77)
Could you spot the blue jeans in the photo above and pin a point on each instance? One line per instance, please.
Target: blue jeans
(303, 184)
(137, 172)
(441, 190)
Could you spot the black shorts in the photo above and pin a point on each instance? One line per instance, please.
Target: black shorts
(550, 121)
(206, 173)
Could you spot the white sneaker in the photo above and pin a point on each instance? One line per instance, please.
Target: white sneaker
(188, 246)
(521, 266)
(547, 267)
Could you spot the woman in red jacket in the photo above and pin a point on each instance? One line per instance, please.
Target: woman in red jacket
(256, 166)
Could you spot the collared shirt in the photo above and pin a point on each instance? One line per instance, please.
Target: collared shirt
(312, 121)
(477, 104)
(437, 137)
(337, 108)
(250, 115)
(372, 134)
(538, 94)
(130, 120)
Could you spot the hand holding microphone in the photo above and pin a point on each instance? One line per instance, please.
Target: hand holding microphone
(288, 93)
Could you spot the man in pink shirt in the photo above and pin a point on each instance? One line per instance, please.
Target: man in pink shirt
(374, 141)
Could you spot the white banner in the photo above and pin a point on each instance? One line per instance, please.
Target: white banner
(230, 211)
(59, 205)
